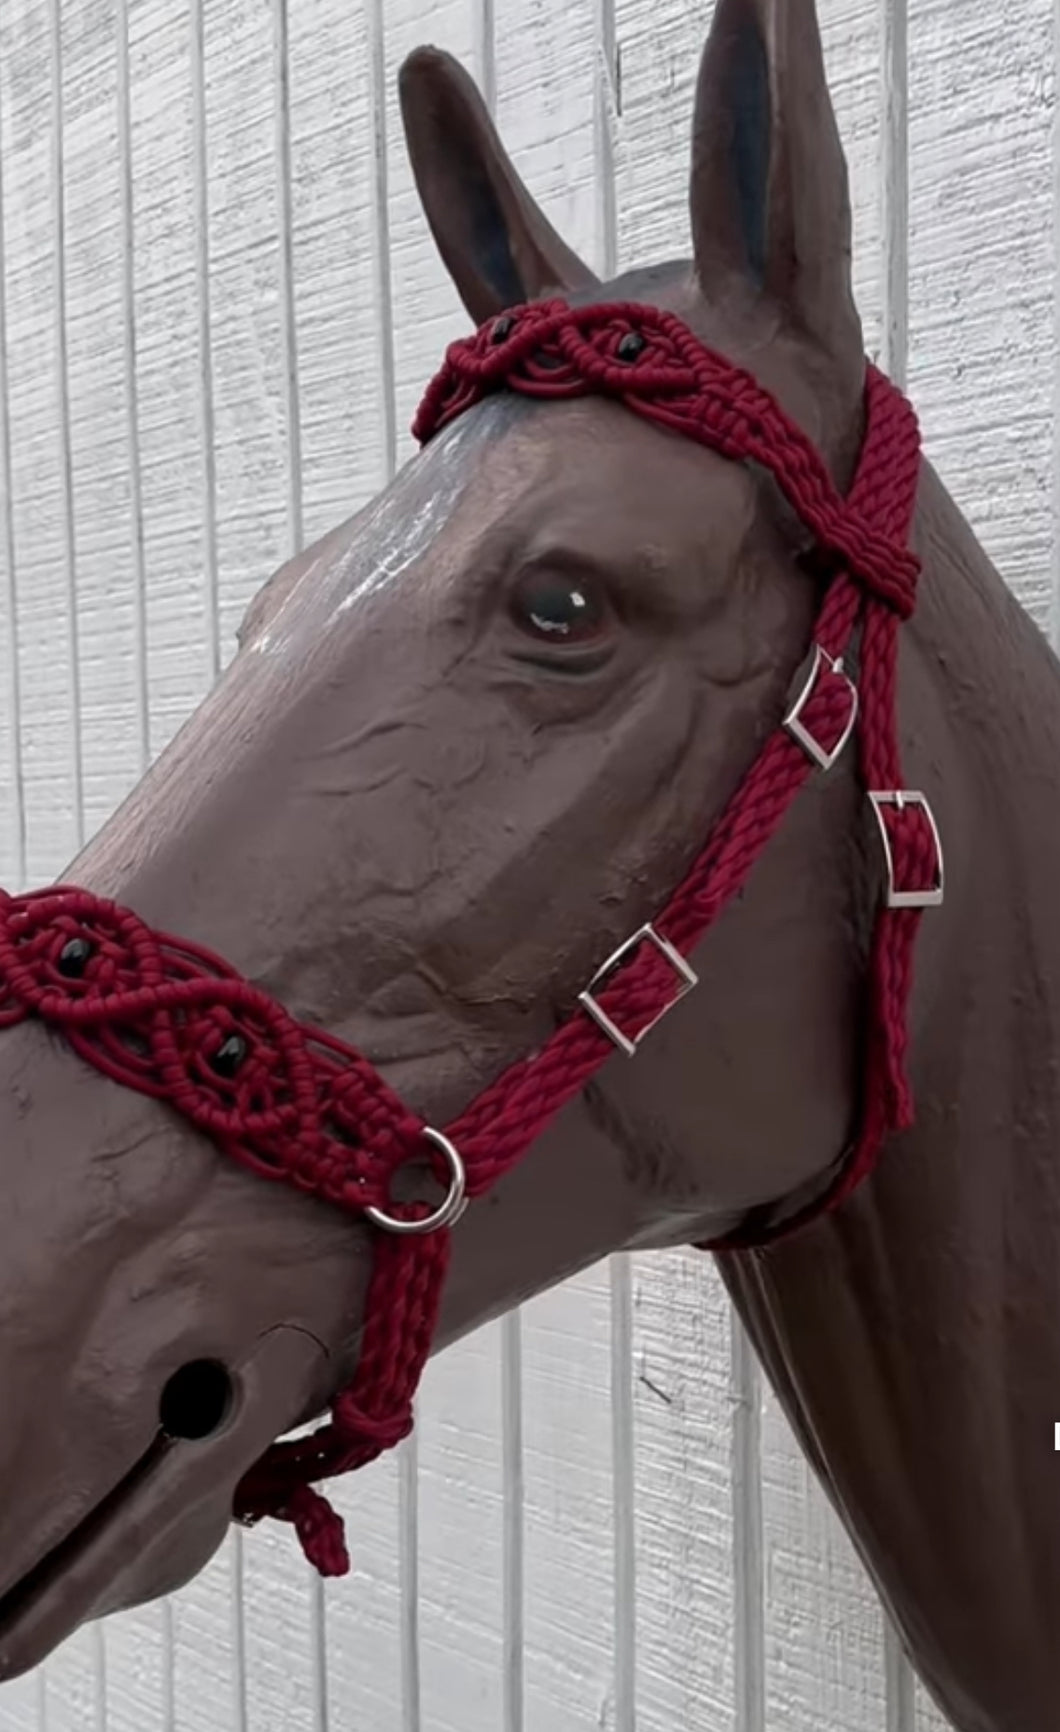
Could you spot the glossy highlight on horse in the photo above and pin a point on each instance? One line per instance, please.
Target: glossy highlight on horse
(475, 791)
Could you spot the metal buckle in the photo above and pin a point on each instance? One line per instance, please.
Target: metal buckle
(688, 979)
(796, 727)
(900, 799)
(448, 1211)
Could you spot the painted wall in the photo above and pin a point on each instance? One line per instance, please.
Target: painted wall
(219, 301)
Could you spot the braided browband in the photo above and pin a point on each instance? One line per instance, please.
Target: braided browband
(171, 1020)
(653, 364)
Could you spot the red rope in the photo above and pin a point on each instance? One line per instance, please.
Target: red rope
(291, 1103)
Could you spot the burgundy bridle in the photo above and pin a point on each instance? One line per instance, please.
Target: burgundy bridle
(166, 1018)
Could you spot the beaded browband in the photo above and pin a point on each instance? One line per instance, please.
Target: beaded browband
(169, 1019)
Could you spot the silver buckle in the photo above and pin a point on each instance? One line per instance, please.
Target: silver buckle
(688, 979)
(900, 799)
(796, 727)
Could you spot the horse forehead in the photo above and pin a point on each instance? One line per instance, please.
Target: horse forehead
(592, 475)
(370, 551)
(589, 475)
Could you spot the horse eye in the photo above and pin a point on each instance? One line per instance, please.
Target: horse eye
(559, 609)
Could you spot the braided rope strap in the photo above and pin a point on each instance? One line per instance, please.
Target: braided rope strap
(291, 1103)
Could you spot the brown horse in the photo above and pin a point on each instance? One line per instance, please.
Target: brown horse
(471, 741)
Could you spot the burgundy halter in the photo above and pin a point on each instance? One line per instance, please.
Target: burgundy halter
(169, 1019)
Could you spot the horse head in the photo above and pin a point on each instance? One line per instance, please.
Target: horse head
(470, 745)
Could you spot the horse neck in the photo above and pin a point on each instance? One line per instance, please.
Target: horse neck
(914, 1337)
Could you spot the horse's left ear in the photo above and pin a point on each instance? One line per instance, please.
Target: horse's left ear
(770, 201)
(498, 246)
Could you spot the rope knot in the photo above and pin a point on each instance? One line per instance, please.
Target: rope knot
(376, 1432)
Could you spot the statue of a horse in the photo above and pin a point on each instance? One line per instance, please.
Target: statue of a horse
(561, 843)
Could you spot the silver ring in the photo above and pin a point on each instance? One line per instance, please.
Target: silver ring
(448, 1211)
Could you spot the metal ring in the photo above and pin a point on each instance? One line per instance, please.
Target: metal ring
(448, 1211)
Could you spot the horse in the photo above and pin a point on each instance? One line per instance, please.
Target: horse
(410, 854)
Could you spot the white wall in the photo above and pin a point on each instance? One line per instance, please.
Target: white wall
(603, 1524)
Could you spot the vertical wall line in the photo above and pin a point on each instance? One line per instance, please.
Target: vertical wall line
(240, 1718)
(98, 1645)
(168, 1687)
(1054, 620)
(748, 1571)
(318, 1657)
(514, 1495)
(899, 1694)
(131, 380)
(380, 207)
(605, 112)
(623, 1493)
(16, 818)
(285, 227)
(207, 426)
(62, 376)
(485, 22)
(409, 1574)
(899, 1687)
(894, 184)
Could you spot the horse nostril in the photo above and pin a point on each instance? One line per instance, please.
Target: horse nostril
(196, 1401)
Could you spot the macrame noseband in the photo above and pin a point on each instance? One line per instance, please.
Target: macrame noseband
(291, 1103)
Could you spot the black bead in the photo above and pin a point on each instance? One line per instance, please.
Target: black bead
(502, 328)
(632, 345)
(74, 958)
(229, 1055)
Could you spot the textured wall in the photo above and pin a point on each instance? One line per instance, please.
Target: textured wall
(218, 303)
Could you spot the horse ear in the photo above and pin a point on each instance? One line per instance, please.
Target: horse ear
(497, 245)
(769, 192)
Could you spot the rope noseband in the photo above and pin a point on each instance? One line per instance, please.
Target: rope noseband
(293, 1104)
